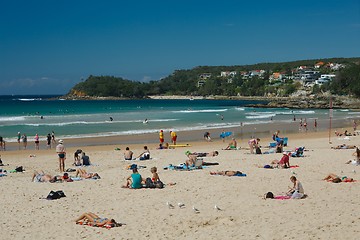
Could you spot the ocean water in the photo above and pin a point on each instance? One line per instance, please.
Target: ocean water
(86, 118)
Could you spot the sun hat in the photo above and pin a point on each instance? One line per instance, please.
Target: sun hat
(61, 141)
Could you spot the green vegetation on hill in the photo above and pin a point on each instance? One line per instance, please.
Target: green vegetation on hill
(187, 82)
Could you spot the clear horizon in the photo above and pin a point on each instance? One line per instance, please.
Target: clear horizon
(47, 47)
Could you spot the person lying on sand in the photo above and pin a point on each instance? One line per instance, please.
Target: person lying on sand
(227, 173)
(134, 180)
(82, 173)
(95, 220)
(344, 146)
(336, 179)
(43, 177)
(203, 154)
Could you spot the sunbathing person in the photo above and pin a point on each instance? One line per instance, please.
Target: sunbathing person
(232, 145)
(297, 190)
(336, 179)
(82, 173)
(128, 154)
(95, 220)
(203, 154)
(227, 173)
(162, 146)
(155, 175)
(134, 180)
(77, 159)
(42, 177)
(283, 163)
(344, 146)
(145, 155)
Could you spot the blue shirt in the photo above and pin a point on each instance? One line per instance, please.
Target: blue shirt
(136, 180)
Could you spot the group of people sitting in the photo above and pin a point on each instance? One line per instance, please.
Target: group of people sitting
(145, 155)
(83, 160)
(136, 181)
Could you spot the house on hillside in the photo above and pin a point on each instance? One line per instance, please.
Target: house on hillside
(228, 74)
(319, 65)
(205, 76)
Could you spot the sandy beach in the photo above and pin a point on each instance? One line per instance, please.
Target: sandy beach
(329, 211)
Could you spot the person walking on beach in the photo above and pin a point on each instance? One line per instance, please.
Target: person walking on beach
(18, 139)
(24, 140)
(37, 142)
(161, 136)
(61, 151)
(315, 124)
(173, 137)
(301, 124)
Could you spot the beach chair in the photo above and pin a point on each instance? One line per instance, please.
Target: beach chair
(285, 139)
(272, 145)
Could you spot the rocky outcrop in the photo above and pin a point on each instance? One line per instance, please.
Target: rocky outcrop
(311, 102)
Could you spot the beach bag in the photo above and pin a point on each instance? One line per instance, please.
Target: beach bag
(19, 169)
(258, 150)
(278, 149)
(149, 183)
(53, 195)
(159, 184)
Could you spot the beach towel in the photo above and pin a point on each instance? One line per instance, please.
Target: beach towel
(181, 167)
(282, 197)
(294, 166)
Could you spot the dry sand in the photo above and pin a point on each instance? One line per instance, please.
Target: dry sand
(330, 211)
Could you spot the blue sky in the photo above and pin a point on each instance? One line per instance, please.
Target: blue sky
(48, 46)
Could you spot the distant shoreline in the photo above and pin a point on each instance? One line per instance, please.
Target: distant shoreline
(299, 102)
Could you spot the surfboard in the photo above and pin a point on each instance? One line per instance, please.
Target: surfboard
(225, 134)
(179, 145)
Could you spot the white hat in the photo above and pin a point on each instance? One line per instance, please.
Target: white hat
(61, 141)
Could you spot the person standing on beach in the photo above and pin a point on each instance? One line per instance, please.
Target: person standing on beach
(354, 125)
(301, 124)
(61, 151)
(305, 125)
(18, 139)
(53, 137)
(24, 140)
(161, 136)
(315, 124)
(48, 140)
(173, 137)
(36, 138)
